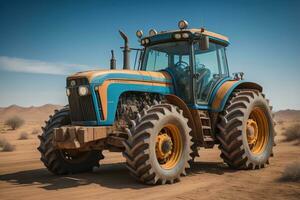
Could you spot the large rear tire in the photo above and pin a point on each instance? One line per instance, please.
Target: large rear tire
(246, 131)
(60, 161)
(159, 145)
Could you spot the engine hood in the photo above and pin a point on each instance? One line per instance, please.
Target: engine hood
(99, 76)
(108, 85)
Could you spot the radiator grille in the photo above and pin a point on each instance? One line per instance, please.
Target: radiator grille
(81, 107)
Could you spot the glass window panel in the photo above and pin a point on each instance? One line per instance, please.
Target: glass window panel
(210, 67)
(174, 56)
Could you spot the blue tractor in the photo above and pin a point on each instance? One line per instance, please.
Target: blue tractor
(181, 97)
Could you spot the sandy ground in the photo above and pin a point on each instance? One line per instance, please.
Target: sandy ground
(22, 176)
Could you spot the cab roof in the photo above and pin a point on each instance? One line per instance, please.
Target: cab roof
(195, 32)
(211, 34)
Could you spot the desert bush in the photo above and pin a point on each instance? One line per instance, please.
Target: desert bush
(2, 142)
(35, 131)
(23, 136)
(280, 122)
(291, 172)
(292, 133)
(14, 122)
(6, 146)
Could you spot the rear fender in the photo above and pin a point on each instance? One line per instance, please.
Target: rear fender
(223, 92)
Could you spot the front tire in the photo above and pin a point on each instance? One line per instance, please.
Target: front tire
(159, 145)
(246, 131)
(61, 161)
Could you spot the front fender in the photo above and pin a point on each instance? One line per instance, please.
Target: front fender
(223, 91)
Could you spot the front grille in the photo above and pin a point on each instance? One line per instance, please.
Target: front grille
(81, 107)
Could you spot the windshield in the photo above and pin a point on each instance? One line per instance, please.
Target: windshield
(162, 56)
(175, 57)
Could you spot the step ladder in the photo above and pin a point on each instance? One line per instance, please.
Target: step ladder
(208, 137)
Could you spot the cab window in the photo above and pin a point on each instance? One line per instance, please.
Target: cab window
(210, 68)
(175, 57)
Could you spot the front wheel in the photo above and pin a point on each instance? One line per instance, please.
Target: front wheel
(159, 145)
(60, 161)
(246, 131)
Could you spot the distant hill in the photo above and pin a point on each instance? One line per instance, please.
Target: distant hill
(33, 113)
(287, 115)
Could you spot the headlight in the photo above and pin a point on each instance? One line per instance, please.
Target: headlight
(83, 90)
(143, 42)
(177, 36)
(147, 41)
(68, 92)
(152, 32)
(185, 35)
(139, 33)
(182, 24)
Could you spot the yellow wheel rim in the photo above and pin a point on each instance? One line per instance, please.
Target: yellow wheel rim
(257, 130)
(168, 146)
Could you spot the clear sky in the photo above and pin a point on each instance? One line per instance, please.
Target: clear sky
(41, 42)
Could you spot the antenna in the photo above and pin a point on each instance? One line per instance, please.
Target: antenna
(202, 22)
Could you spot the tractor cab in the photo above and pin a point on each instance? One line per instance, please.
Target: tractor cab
(195, 58)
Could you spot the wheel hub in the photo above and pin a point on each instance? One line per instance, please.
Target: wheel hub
(257, 130)
(252, 131)
(164, 146)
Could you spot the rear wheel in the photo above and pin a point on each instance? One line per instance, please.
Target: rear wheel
(159, 145)
(246, 131)
(60, 161)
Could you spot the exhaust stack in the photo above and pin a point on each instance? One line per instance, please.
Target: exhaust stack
(112, 60)
(126, 51)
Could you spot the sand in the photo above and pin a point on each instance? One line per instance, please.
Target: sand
(23, 176)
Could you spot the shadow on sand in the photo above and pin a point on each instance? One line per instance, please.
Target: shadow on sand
(108, 175)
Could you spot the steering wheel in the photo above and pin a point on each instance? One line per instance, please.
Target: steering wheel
(182, 65)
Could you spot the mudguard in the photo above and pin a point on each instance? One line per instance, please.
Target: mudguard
(223, 91)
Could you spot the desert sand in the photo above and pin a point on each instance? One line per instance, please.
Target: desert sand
(23, 176)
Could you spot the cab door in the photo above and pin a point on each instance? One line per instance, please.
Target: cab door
(210, 67)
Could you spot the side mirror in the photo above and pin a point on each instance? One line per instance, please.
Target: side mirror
(204, 42)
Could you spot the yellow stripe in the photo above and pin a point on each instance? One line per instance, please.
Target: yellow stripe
(221, 93)
(92, 74)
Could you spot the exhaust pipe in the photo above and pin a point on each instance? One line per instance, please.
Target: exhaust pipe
(126, 51)
(112, 60)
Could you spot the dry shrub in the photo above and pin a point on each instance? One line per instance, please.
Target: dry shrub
(23, 136)
(292, 134)
(2, 142)
(6, 146)
(14, 122)
(291, 172)
(280, 122)
(35, 131)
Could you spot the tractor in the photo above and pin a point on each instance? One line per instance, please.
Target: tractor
(179, 98)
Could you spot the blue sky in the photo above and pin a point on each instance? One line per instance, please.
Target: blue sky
(43, 41)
